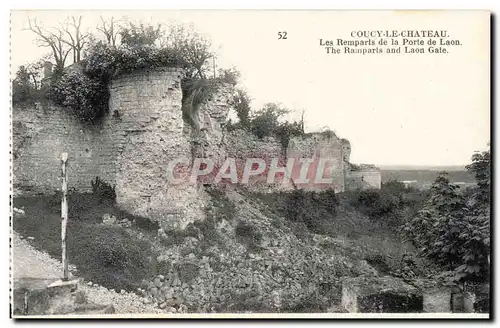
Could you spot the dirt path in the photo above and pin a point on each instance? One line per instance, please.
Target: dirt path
(30, 262)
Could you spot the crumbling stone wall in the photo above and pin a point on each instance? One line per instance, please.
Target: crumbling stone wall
(210, 140)
(144, 131)
(130, 148)
(243, 145)
(363, 178)
(315, 146)
(149, 107)
(41, 134)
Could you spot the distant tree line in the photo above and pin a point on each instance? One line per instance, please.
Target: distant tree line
(425, 175)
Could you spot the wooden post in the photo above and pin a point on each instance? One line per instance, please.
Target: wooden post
(64, 214)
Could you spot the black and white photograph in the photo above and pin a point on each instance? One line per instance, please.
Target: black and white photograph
(250, 164)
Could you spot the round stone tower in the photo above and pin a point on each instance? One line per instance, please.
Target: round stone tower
(150, 136)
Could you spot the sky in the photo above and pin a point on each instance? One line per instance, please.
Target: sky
(425, 109)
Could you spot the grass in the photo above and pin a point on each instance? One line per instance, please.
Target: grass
(335, 218)
(107, 255)
(384, 252)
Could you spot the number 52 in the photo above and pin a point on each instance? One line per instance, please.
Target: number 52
(282, 35)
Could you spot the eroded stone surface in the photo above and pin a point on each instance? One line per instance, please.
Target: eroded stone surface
(380, 295)
(318, 146)
(149, 107)
(437, 297)
(34, 296)
(131, 147)
(477, 298)
(212, 117)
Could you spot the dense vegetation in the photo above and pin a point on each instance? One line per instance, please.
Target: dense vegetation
(83, 88)
(449, 226)
(453, 228)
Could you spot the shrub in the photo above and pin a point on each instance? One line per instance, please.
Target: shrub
(266, 121)
(144, 224)
(377, 204)
(286, 130)
(309, 207)
(109, 256)
(481, 167)
(86, 96)
(242, 108)
(393, 204)
(140, 35)
(27, 88)
(196, 92)
(229, 75)
(103, 191)
(449, 233)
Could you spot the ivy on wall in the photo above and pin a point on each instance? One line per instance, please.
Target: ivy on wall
(84, 88)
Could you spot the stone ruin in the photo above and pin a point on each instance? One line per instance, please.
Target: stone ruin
(365, 294)
(130, 148)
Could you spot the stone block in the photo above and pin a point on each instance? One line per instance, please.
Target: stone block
(476, 302)
(34, 296)
(437, 297)
(380, 295)
(457, 303)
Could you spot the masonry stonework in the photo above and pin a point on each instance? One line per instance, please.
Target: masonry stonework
(243, 145)
(363, 177)
(210, 140)
(318, 146)
(149, 107)
(132, 146)
(41, 134)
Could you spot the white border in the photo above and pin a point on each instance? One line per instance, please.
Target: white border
(493, 5)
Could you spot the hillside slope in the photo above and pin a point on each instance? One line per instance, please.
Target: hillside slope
(245, 257)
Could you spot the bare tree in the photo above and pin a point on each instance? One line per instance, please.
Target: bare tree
(74, 37)
(110, 29)
(53, 39)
